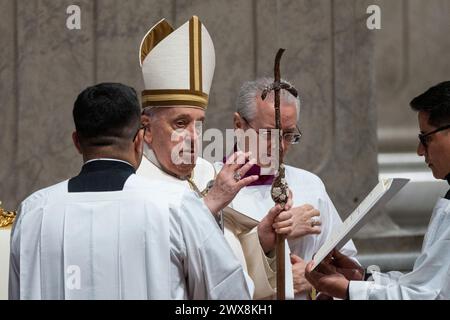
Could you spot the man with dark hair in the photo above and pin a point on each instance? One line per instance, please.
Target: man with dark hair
(106, 114)
(433, 109)
(107, 120)
(340, 277)
(108, 233)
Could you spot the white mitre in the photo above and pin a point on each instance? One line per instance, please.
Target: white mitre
(177, 65)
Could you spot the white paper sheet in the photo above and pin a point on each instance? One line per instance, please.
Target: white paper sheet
(384, 191)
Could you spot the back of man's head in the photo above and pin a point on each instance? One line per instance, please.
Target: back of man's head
(106, 115)
(436, 102)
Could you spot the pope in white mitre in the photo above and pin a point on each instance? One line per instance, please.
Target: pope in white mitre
(178, 67)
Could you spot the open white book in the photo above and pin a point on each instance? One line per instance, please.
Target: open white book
(378, 197)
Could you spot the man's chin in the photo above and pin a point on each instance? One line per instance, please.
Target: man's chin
(185, 169)
(437, 175)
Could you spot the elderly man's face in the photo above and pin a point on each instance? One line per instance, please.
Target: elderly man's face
(173, 135)
(265, 119)
(437, 151)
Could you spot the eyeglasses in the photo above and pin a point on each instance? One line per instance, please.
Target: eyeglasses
(137, 132)
(289, 137)
(424, 138)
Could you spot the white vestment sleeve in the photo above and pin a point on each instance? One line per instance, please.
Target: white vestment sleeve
(213, 272)
(427, 281)
(14, 260)
(424, 283)
(388, 277)
(445, 292)
(178, 258)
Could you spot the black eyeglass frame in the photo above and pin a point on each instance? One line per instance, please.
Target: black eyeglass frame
(296, 141)
(423, 136)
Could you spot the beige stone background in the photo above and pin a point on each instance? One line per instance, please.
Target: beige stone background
(329, 57)
(354, 82)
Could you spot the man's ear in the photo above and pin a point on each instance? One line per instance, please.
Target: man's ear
(237, 121)
(146, 121)
(139, 141)
(76, 142)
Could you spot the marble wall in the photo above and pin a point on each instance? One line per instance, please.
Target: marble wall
(411, 55)
(329, 58)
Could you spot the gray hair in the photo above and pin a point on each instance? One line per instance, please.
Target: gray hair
(246, 100)
(151, 112)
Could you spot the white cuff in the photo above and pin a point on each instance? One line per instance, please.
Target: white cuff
(359, 290)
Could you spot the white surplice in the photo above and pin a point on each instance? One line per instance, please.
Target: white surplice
(430, 278)
(5, 234)
(307, 188)
(133, 244)
(244, 244)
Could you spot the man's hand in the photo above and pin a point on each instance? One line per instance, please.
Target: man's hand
(301, 285)
(277, 221)
(346, 266)
(303, 223)
(327, 280)
(225, 185)
(333, 275)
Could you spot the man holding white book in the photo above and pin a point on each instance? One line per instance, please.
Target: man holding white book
(340, 277)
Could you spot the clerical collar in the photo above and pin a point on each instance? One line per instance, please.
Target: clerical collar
(447, 196)
(151, 156)
(108, 159)
(106, 164)
(101, 175)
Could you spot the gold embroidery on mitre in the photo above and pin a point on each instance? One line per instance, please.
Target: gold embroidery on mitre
(174, 97)
(195, 54)
(160, 31)
(191, 94)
